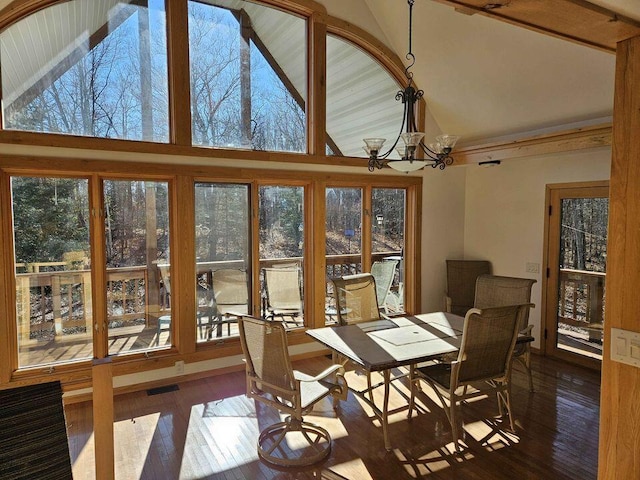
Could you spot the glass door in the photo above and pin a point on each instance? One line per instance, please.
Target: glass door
(577, 253)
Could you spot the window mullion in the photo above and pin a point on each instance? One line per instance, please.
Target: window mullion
(179, 77)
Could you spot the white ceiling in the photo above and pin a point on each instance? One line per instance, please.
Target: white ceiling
(484, 79)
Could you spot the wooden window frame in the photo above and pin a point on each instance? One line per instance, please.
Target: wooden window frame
(181, 180)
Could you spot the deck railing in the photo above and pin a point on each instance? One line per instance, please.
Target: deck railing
(54, 303)
(581, 301)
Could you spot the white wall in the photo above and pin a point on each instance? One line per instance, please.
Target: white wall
(505, 214)
(443, 214)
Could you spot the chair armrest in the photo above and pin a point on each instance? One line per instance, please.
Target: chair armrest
(336, 368)
(338, 388)
(526, 331)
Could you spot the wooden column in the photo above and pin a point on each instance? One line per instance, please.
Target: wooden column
(316, 276)
(179, 72)
(183, 265)
(103, 419)
(317, 81)
(619, 451)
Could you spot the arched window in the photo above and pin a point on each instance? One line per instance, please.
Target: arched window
(360, 99)
(99, 68)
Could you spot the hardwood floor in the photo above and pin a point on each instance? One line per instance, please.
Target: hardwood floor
(208, 428)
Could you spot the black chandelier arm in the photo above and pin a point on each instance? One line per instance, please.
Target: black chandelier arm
(443, 161)
(431, 155)
(376, 160)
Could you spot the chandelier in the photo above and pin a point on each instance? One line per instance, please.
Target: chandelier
(414, 154)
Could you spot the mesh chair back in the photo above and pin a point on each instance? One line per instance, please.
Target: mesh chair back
(264, 345)
(488, 339)
(356, 299)
(461, 282)
(497, 291)
(383, 272)
(283, 288)
(231, 291)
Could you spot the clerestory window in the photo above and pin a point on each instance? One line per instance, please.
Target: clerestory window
(95, 68)
(248, 77)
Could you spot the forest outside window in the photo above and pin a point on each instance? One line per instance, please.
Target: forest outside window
(95, 68)
(52, 270)
(248, 76)
(281, 225)
(343, 238)
(138, 265)
(388, 207)
(222, 258)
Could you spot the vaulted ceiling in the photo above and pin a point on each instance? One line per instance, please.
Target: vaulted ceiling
(486, 79)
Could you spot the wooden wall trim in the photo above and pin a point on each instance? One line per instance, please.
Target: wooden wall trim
(316, 238)
(183, 267)
(54, 165)
(99, 264)
(8, 352)
(619, 443)
(563, 141)
(22, 8)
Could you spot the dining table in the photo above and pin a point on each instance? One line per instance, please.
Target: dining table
(390, 343)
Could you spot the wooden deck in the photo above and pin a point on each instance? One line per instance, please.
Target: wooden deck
(208, 428)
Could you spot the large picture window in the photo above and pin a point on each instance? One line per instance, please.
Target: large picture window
(388, 207)
(91, 230)
(222, 258)
(95, 68)
(137, 256)
(282, 253)
(53, 270)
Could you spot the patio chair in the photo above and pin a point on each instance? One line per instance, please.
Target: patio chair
(231, 294)
(272, 381)
(384, 272)
(165, 303)
(482, 365)
(497, 291)
(283, 297)
(356, 298)
(165, 299)
(461, 284)
(356, 302)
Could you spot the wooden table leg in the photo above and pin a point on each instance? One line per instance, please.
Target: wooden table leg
(385, 410)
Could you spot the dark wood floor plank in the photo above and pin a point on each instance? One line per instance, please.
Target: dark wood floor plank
(208, 430)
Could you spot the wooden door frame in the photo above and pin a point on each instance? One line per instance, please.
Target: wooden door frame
(553, 193)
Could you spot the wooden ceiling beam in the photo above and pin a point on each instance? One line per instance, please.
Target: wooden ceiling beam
(575, 20)
(562, 141)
